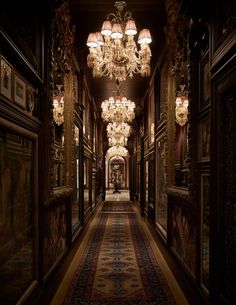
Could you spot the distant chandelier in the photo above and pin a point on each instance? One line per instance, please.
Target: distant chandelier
(181, 106)
(118, 109)
(117, 141)
(58, 105)
(117, 130)
(113, 51)
(117, 151)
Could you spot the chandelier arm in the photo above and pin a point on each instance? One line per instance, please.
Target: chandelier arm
(112, 17)
(127, 16)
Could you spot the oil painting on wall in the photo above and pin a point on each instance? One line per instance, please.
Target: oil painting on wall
(17, 216)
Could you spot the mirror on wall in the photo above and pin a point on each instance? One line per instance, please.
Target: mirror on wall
(59, 156)
(58, 127)
(181, 153)
(181, 109)
(77, 201)
(86, 184)
(161, 192)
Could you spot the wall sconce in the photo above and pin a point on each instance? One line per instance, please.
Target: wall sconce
(58, 105)
(181, 106)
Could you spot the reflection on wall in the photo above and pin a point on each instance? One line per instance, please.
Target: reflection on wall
(181, 151)
(59, 178)
(94, 186)
(16, 216)
(161, 210)
(75, 204)
(55, 236)
(183, 237)
(86, 184)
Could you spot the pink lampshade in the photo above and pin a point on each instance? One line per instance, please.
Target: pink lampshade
(130, 28)
(92, 41)
(99, 38)
(106, 28)
(144, 37)
(116, 31)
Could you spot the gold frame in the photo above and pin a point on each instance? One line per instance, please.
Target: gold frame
(19, 90)
(6, 90)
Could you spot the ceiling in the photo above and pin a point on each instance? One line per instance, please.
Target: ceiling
(88, 15)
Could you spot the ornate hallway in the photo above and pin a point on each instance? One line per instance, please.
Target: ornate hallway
(136, 98)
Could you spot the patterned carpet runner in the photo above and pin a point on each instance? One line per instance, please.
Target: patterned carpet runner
(114, 207)
(118, 265)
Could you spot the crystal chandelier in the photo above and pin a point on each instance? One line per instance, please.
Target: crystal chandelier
(58, 105)
(117, 141)
(113, 51)
(181, 106)
(118, 130)
(117, 151)
(118, 134)
(118, 109)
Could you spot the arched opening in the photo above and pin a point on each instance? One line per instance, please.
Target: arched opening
(117, 174)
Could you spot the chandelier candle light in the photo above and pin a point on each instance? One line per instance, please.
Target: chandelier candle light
(122, 129)
(58, 105)
(115, 151)
(113, 51)
(118, 133)
(118, 109)
(181, 106)
(117, 140)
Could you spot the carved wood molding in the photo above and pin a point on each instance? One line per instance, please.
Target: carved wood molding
(61, 64)
(176, 30)
(178, 196)
(60, 195)
(62, 41)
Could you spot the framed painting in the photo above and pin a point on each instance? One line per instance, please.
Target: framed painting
(205, 81)
(20, 91)
(6, 79)
(18, 200)
(204, 138)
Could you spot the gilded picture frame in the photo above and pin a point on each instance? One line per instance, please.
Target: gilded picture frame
(19, 91)
(6, 79)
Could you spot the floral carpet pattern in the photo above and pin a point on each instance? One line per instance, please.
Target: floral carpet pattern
(118, 265)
